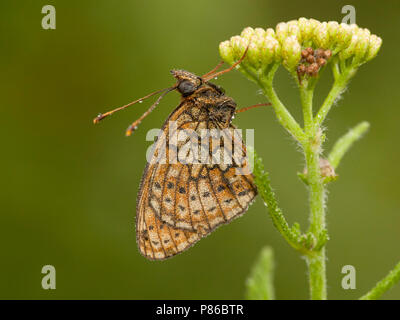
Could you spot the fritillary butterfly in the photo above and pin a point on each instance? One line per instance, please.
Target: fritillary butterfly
(180, 202)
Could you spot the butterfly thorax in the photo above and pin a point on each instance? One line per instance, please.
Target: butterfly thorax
(206, 96)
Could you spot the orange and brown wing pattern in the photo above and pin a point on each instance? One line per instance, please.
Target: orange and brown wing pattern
(178, 203)
(156, 239)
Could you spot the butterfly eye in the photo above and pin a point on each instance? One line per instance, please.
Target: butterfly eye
(186, 87)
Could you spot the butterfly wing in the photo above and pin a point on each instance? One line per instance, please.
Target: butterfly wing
(178, 203)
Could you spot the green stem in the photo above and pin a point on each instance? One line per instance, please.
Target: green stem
(283, 115)
(384, 285)
(341, 80)
(317, 275)
(316, 260)
(306, 96)
(310, 138)
(312, 147)
(345, 142)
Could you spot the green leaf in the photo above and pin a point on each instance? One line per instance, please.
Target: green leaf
(261, 177)
(259, 285)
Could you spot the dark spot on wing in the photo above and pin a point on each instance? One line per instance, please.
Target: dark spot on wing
(182, 190)
(170, 185)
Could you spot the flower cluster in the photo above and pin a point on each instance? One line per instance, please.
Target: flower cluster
(285, 44)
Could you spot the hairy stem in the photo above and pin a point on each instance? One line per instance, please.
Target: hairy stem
(384, 285)
(283, 115)
(306, 96)
(341, 80)
(345, 142)
(311, 244)
(316, 260)
(312, 148)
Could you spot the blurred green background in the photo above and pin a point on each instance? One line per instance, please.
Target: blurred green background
(69, 188)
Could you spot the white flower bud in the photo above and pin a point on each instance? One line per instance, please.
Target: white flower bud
(294, 30)
(373, 48)
(333, 29)
(247, 33)
(253, 57)
(351, 48)
(344, 36)
(225, 51)
(362, 46)
(281, 31)
(321, 36)
(306, 29)
(272, 50)
(270, 33)
(291, 52)
(259, 33)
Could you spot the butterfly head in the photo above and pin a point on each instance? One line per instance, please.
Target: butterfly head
(187, 83)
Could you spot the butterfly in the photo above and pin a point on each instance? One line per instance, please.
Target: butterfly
(180, 202)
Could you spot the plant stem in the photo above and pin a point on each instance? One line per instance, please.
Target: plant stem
(383, 285)
(341, 80)
(317, 275)
(312, 149)
(306, 96)
(283, 115)
(316, 260)
(345, 142)
(310, 138)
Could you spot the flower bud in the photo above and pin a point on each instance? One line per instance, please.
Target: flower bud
(259, 33)
(351, 48)
(239, 46)
(225, 51)
(281, 31)
(362, 46)
(294, 30)
(270, 33)
(254, 54)
(373, 48)
(247, 33)
(306, 29)
(314, 26)
(333, 30)
(256, 48)
(321, 36)
(273, 50)
(344, 36)
(291, 52)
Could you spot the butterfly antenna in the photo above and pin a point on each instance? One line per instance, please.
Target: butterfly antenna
(251, 107)
(219, 65)
(101, 116)
(209, 76)
(135, 124)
